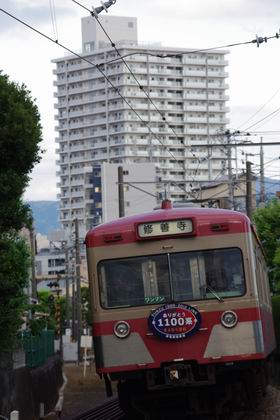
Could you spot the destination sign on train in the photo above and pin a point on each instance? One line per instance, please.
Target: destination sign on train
(165, 227)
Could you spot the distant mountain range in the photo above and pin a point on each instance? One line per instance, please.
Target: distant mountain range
(45, 214)
(271, 186)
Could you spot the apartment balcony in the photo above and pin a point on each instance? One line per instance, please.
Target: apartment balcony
(79, 148)
(173, 108)
(196, 120)
(76, 206)
(64, 207)
(195, 61)
(64, 196)
(77, 182)
(168, 155)
(222, 74)
(100, 156)
(80, 136)
(217, 86)
(62, 173)
(76, 171)
(219, 62)
(59, 70)
(195, 85)
(219, 120)
(138, 153)
(223, 109)
(215, 97)
(198, 131)
(172, 166)
(198, 108)
(199, 73)
(58, 105)
(72, 160)
(195, 96)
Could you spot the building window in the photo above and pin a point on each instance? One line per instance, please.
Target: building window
(130, 24)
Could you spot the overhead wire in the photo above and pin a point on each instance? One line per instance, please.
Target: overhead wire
(260, 109)
(274, 113)
(53, 18)
(109, 81)
(103, 74)
(113, 45)
(121, 57)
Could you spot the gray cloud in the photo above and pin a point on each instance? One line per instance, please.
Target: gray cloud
(203, 9)
(34, 13)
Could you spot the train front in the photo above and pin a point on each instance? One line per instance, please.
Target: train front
(176, 303)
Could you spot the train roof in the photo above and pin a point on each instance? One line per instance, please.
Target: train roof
(207, 221)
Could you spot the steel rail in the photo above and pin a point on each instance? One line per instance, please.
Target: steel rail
(108, 411)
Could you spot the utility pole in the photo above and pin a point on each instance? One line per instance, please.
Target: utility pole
(248, 190)
(230, 185)
(78, 287)
(33, 251)
(67, 284)
(121, 191)
(262, 185)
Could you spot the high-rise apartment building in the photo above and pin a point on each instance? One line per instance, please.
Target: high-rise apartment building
(95, 124)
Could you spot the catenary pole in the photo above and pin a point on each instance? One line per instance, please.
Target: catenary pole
(121, 191)
(78, 287)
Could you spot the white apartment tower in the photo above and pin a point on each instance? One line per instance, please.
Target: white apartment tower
(95, 124)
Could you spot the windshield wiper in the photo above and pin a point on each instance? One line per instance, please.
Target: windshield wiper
(214, 293)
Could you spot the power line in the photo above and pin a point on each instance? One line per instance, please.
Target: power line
(117, 90)
(258, 40)
(260, 109)
(244, 144)
(113, 44)
(104, 75)
(53, 18)
(274, 113)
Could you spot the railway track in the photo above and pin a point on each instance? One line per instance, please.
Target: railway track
(108, 411)
(112, 411)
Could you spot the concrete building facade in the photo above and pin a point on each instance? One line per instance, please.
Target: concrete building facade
(96, 125)
(140, 190)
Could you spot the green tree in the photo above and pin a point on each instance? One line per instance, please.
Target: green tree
(14, 266)
(267, 221)
(20, 137)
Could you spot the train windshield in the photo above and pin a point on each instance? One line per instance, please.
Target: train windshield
(178, 277)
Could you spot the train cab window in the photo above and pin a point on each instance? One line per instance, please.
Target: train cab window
(180, 277)
(201, 275)
(224, 273)
(134, 281)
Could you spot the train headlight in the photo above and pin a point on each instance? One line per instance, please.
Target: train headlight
(122, 329)
(229, 319)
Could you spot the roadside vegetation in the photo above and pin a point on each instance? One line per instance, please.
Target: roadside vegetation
(20, 137)
(267, 222)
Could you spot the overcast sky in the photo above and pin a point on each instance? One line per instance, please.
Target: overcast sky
(254, 72)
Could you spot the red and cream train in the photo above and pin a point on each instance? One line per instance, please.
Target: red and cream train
(182, 309)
